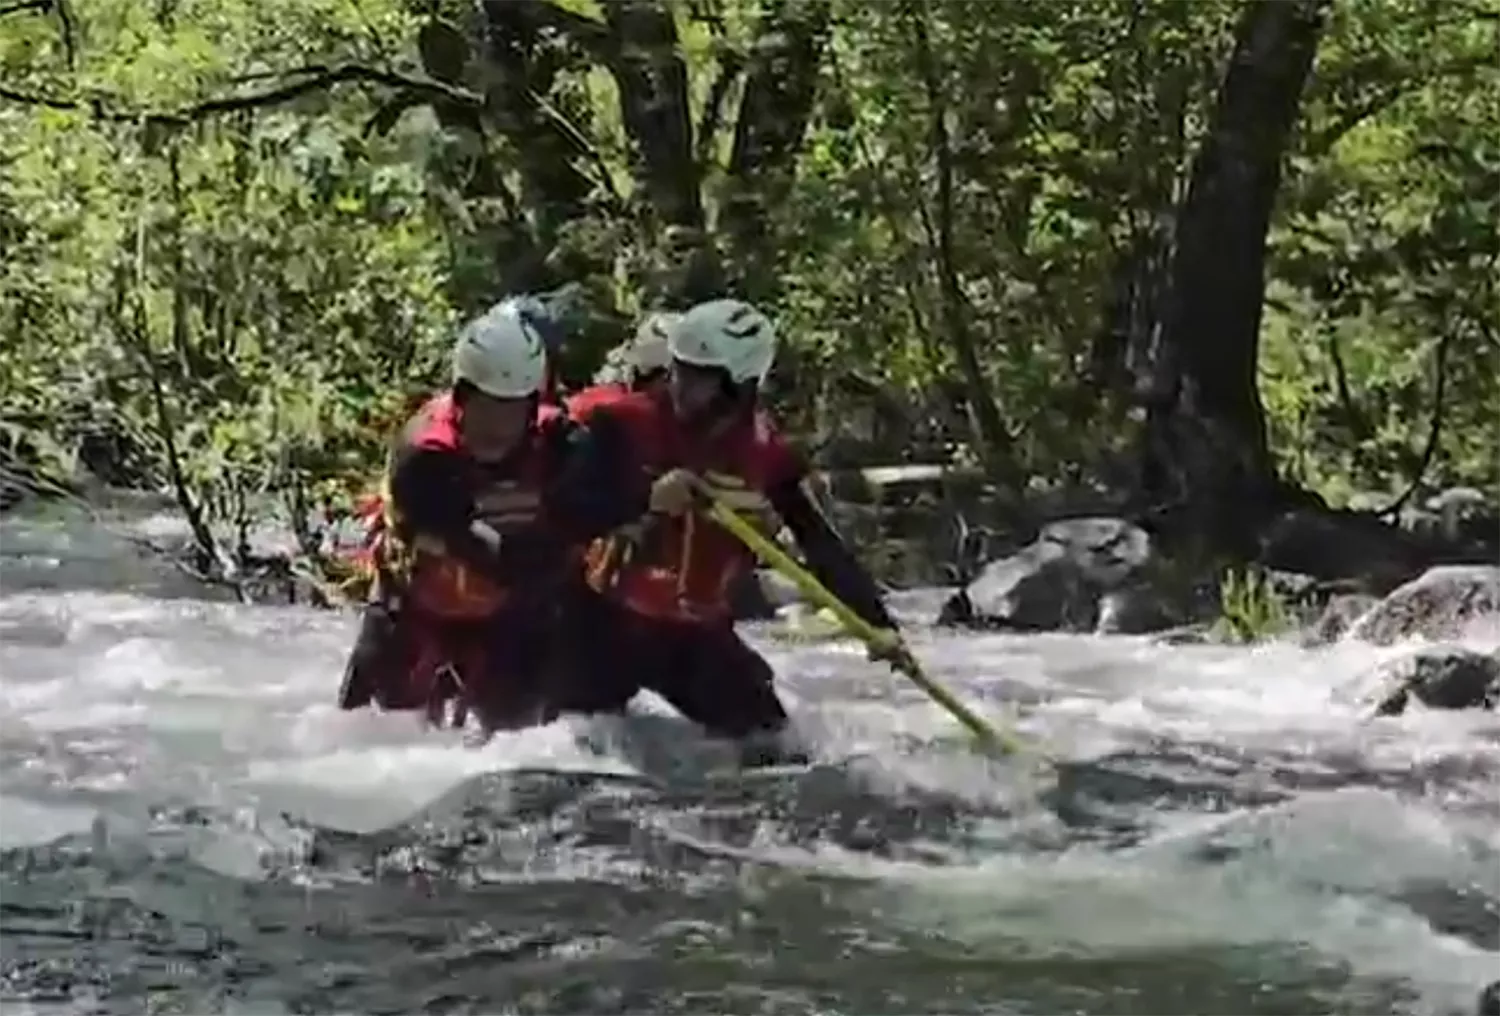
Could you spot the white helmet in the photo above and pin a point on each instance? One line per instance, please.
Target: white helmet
(501, 353)
(729, 334)
(648, 349)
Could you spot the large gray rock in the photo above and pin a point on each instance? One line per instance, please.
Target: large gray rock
(1442, 678)
(1437, 605)
(1456, 515)
(1057, 581)
(1135, 610)
(1489, 1000)
(1340, 614)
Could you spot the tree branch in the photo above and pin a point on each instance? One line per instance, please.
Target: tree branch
(874, 182)
(582, 147)
(1434, 430)
(651, 78)
(1384, 98)
(776, 105)
(1353, 416)
(135, 326)
(522, 55)
(591, 34)
(988, 428)
(26, 5)
(312, 78)
(730, 66)
(62, 8)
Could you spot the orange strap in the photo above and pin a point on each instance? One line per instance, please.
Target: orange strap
(685, 560)
(599, 573)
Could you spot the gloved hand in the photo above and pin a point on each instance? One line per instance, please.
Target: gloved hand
(675, 492)
(891, 649)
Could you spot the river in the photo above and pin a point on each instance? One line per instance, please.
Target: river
(187, 824)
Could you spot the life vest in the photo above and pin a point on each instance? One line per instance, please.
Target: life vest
(417, 567)
(682, 569)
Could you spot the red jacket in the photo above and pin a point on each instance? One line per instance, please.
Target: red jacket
(433, 580)
(685, 568)
(583, 402)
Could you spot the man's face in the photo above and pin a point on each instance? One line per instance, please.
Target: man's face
(694, 389)
(492, 428)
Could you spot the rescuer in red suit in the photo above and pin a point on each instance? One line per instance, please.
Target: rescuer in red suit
(464, 547)
(642, 366)
(653, 612)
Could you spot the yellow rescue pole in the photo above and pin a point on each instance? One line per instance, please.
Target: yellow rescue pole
(993, 740)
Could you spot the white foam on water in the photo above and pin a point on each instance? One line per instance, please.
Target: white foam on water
(112, 702)
(26, 823)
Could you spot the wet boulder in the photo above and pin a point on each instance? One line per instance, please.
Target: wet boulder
(1457, 515)
(1056, 582)
(1437, 605)
(1441, 678)
(1340, 613)
(1135, 609)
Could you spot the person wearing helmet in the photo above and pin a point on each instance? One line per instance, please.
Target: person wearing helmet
(461, 544)
(547, 312)
(655, 597)
(639, 365)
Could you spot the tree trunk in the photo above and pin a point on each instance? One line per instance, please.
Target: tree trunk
(528, 43)
(508, 51)
(781, 88)
(676, 264)
(1206, 452)
(991, 437)
(652, 81)
(522, 71)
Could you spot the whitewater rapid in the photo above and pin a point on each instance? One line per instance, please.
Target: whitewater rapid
(1183, 801)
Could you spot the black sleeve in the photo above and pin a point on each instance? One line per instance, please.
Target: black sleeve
(601, 485)
(827, 556)
(429, 492)
(432, 497)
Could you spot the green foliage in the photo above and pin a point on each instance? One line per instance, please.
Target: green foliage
(249, 299)
(1250, 608)
(246, 301)
(1072, 125)
(1386, 259)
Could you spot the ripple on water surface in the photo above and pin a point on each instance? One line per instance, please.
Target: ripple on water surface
(186, 819)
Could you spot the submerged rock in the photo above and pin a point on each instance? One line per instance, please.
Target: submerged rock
(1489, 1000)
(1442, 678)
